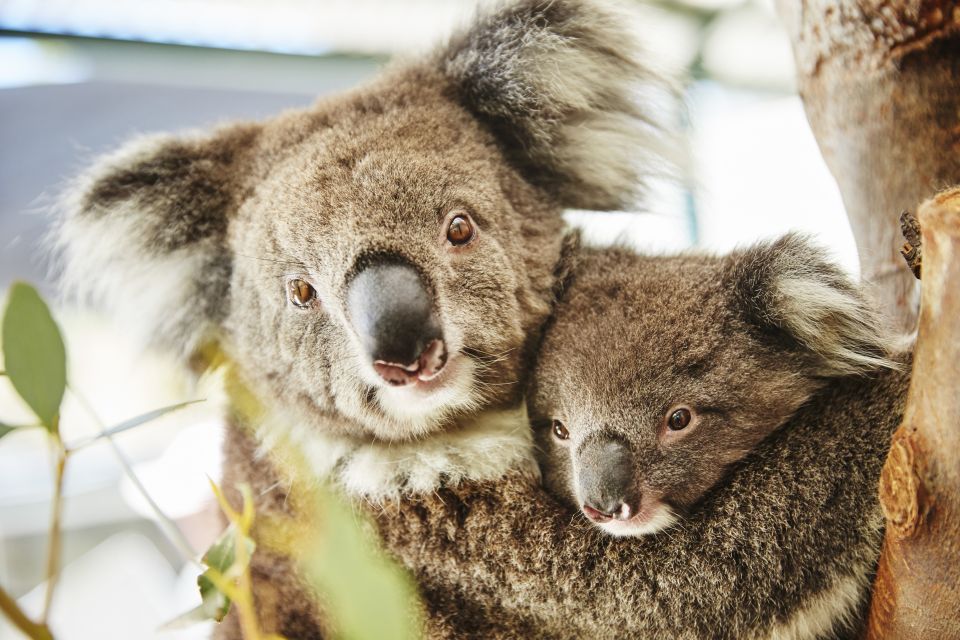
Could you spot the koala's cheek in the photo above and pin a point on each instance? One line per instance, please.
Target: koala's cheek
(558, 476)
(686, 491)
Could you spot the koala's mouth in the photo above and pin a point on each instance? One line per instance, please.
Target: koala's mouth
(427, 367)
(652, 517)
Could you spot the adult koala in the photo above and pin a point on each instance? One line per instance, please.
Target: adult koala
(384, 255)
(376, 265)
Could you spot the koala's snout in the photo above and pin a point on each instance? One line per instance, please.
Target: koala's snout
(606, 480)
(392, 311)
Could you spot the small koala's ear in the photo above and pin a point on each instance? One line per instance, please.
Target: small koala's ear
(566, 267)
(558, 82)
(789, 288)
(142, 234)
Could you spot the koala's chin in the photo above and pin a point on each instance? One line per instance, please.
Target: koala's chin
(652, 519)
(416, 409)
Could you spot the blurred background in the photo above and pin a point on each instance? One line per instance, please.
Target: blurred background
(77, 77)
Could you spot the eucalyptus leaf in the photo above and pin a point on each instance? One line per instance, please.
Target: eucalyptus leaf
(369, 595)
(5, 429)
(221, 554)
(34, 355)
(126, 425)
(214, 604)
(187, 619)
(220, 557)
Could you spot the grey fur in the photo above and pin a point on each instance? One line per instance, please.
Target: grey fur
(189, 238)
(558, 78)
(720, 337)
(779, 523)
(194, 237)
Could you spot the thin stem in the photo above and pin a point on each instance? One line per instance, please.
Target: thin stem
(245, 608)
(167, 525)
(53, 542)
(20, 620)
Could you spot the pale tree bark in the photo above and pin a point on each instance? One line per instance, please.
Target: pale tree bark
(880, 82)
(917, 590)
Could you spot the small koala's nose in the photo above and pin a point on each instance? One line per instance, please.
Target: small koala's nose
(606, 479)
(392, 311)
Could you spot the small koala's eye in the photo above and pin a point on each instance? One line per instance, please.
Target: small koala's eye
(460, 231)
(301, 293)
(679, 419)
(559, 431)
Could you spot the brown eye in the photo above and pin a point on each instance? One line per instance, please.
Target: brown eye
(560, 431)
(679, 419)
(460, 231)
(301, 293)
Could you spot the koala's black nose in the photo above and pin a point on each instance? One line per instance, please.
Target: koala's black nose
(392, 310)
(606, 479)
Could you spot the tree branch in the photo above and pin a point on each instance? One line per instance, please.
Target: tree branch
(917, 589)
(879, 85)
(54, 544)
(20, 620)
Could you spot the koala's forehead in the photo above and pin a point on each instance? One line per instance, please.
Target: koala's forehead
(630, 322)
(385, 153)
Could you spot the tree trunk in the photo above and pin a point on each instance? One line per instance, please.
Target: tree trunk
(917, 590)
(880, 82)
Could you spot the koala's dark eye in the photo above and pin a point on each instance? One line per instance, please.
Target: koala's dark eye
(679, 419)
(559, 431)
(460, 230)
(301, 293)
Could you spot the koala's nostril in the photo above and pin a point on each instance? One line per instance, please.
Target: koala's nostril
(392, 311)
(595, 514)
(620, 511)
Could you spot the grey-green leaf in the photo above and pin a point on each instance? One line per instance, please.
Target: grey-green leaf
(221, 556)
(126, 425)
(214, 604)
(5, 429)
(356, 578)
(34, 356)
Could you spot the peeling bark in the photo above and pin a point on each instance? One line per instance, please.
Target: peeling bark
(917, 589)
(880, 82)
(912, 250)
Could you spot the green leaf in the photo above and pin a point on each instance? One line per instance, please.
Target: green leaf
(214, 604)
(357, 578)
(221, 557)
(9, 428)
(187, 619)
(33, 352)
(126, 425)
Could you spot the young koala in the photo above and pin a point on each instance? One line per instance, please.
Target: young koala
(660, 373)
(739, 407)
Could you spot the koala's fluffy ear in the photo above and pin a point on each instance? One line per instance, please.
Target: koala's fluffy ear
(557, 81)
(143, 233)
(790, 289)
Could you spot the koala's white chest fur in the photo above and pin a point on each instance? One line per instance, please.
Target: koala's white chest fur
(484, 447)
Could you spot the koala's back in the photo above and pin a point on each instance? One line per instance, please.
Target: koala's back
(793, 538)
(785, 547)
